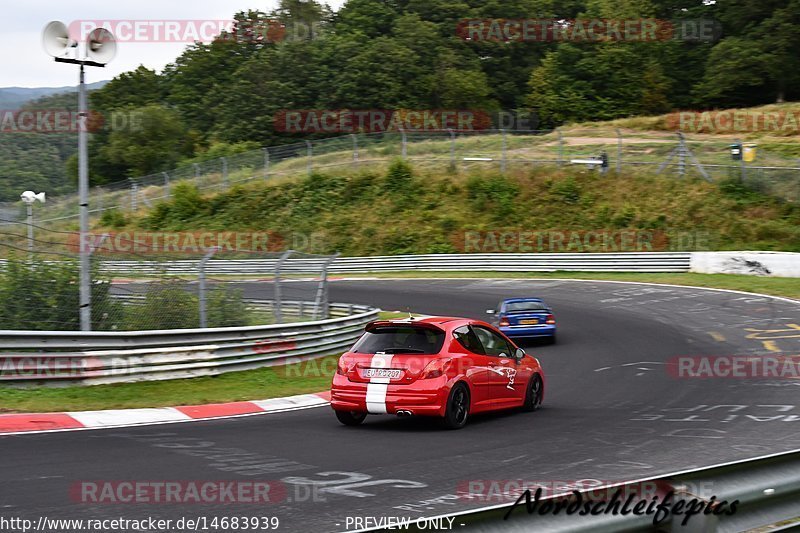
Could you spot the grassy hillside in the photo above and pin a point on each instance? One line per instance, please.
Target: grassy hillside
(407, 210)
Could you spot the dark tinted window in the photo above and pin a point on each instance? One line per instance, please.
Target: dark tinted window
(400, 339)
(521, 307)
(466, 338)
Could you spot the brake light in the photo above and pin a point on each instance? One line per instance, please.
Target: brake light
(550, 319)
(342, 368)
(435, 368)
(504, 322)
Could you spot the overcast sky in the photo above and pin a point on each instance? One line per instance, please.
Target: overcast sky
(24, 63)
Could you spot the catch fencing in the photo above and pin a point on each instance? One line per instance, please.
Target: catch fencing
(773, 171)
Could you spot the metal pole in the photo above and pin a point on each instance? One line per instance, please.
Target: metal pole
(452, 148)
(619, 150)
(85, 297)
(196, 171)
(266, 163)
(134, 195)
(310, 167)
(276, 304)
(404, 140)
(224, 172)
(560, 148)
(321, 305)
(355, 148)
(742, 165)
(166, 183)
(202, 286)
(503, 152)
(30, 230)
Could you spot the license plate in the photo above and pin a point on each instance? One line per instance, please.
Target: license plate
(381, 373)
(529, 321)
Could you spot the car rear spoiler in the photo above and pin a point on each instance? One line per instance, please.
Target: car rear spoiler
(403, 322)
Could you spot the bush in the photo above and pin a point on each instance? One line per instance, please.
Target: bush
(113, 218)
(35, 295)
(566, 190)
(166, 306)
(226, 308)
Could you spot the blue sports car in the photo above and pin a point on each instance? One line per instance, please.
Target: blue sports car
(524, 317)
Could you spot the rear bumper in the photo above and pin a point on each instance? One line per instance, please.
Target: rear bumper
(424, 397)
(543, 330)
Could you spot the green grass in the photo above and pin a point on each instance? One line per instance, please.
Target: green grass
(263, 383)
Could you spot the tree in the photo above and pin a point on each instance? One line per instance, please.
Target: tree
(157, 143)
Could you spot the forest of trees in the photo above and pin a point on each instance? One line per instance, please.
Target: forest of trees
(221, 97)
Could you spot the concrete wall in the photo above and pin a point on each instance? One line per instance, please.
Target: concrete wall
(778, 264)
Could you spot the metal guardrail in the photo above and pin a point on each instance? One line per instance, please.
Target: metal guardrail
(767, 490)
(59, 357)
(534, 262)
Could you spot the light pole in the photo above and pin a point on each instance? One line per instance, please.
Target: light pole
(29, 197)
(99, 50)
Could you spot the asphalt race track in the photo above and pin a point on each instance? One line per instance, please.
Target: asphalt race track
(612, 412)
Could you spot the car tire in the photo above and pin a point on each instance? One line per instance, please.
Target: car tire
(351, 418)
(552, 339)
(533, 395)
(457, 410)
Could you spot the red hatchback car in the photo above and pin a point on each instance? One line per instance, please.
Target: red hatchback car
(435, 366)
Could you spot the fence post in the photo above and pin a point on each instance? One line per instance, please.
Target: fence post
(452, 148)
(196, 171)
(134, 195)
(276, 303)
(321, 304)
(310, 153)
(224, 172)
(503, 152)
(355, 148)
(201, 286)
(560, 148)
(742, 165)
(166, 184)
(404, 140)
(266, 163)
(619, 151)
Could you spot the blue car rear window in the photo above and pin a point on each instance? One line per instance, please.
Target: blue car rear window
(521, 307)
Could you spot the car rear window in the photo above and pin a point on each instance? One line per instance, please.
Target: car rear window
(400, 339)
(521, 307)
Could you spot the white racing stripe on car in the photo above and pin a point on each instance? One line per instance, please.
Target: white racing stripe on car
(377, 387)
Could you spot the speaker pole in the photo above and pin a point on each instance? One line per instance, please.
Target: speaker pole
(83, 199)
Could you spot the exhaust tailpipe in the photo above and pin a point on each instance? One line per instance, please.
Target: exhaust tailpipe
(404, 412)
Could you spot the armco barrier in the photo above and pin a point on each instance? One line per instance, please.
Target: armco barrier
(605, 262)
(767, 490)
(60, 357)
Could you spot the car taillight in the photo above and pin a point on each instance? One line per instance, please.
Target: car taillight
(550, 319)
(503, 322)
(342, 367)
(435, 368)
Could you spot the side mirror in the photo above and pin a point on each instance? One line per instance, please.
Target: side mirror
(490, 311)
(519, 355)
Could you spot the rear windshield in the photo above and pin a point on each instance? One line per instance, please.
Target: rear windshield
(520, 307)
(400, 339)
